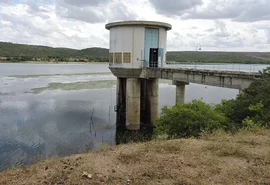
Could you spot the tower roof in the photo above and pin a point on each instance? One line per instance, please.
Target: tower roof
(139, 23)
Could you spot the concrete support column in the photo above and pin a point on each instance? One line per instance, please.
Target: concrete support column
(121, 102)
(118, 85)
(133, 98)
(180, 91)
(152, 96)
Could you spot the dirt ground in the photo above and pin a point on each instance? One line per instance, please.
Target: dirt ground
(217, 159)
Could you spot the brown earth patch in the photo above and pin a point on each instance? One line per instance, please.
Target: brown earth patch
(221, 158)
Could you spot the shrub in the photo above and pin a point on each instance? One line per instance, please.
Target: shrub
(190, 119)
(253, 103)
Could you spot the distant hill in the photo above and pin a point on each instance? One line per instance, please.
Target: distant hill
(219, 57)
(23, 51)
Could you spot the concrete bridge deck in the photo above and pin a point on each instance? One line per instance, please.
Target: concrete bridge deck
(229, 79)
(137, 89)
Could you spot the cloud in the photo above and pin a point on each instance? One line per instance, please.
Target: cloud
(81, 3)
(221, 29)
(95, 11)
(236, 10)
(230, 25)
(268, 35)
(210, 30)
(262, 25)
(172, 7)
(40, 24)
(89, 15)
(261, 28)
(5, 1)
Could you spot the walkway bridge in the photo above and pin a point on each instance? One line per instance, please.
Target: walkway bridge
(229, 79)
(137, 89)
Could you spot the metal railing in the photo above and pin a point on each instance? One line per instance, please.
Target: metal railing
(217, 66)
(207, 66)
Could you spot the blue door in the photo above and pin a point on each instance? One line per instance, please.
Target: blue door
(151, 41)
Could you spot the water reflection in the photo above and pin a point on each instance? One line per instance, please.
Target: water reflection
(30, 129)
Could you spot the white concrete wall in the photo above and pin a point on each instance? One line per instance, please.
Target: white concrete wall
(128, 39)
(131, 39)
(138, 51)
(163, 43)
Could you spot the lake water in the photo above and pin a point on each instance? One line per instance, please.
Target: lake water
(63, 109)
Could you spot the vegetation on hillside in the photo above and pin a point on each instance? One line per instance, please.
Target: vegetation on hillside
(22, 52)
(251, 108)
(219, 57)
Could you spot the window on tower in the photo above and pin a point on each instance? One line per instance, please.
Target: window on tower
(127, 57)
(118, 58)
(111, 58)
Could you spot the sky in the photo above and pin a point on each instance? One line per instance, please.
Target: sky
(215, 25)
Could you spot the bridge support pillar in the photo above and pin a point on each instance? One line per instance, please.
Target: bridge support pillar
(180, 91)
(152, 97)
(120, 101)
(133, 97)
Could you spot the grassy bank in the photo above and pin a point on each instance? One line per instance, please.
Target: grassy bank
(220, 158)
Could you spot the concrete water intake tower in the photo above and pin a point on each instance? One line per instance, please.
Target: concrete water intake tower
(134, 46)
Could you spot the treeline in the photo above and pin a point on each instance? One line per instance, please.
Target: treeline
(250, 109)
(51, 59)
(22, 52)
(219, 57)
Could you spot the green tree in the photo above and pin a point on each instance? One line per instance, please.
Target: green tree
(225, 107)
(253, 103)
(190, 119)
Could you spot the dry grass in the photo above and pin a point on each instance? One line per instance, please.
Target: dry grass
(217, 159)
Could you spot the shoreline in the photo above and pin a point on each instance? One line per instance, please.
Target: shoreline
(50, 62)
(177, 63)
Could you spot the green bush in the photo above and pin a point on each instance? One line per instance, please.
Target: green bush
(225, 107)
(253, 103)
(251, 107)
(190, 119)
